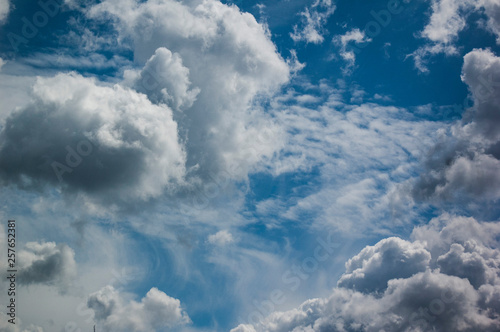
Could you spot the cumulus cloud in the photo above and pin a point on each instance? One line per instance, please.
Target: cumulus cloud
(155, 312)
(221, 238)
(165, 80)
(431, 296)
(81, 135)
(465, 161)
(212, 64)
(311, 28)
(391, 258)
(4, 10)
(48, 264)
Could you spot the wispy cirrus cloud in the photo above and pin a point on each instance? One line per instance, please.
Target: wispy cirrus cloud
(312, 29)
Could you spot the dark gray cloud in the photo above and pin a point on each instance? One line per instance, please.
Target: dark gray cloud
(454, 285)
(464, 163)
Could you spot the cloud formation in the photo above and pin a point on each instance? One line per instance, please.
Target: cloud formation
(155, 312)
(465, 162)
(221, 238)
(453, 287)
(212, 64)
(391, 258)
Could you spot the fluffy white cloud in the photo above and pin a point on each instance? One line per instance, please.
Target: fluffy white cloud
(434, 296)
(311, 29)
(47, 263)
(221, 238)
(447, 20)
(466, 161)
(98, 139)
(449, 17)
(4, 9)
(155, 312)
(212, 64)
(165, 80)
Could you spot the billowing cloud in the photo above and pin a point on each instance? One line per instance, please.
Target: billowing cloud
(165, 80)
(391, 258)
(155, 312)
(212, 64)
(80, 135)
(433, 296)
(311, 29)
(466, 161)
(48, 264)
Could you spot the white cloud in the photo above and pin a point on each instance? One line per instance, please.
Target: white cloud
(432, 296)
(447, 20)
(155, 312)
(164, 79)
(349, 53)
(311, 29)
(4, 10)
(221, 238)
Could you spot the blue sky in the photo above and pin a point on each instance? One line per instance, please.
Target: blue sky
(325, 165)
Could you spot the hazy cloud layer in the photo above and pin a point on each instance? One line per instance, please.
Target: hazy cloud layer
(156, 311)
(466, 161)
(454, 286)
